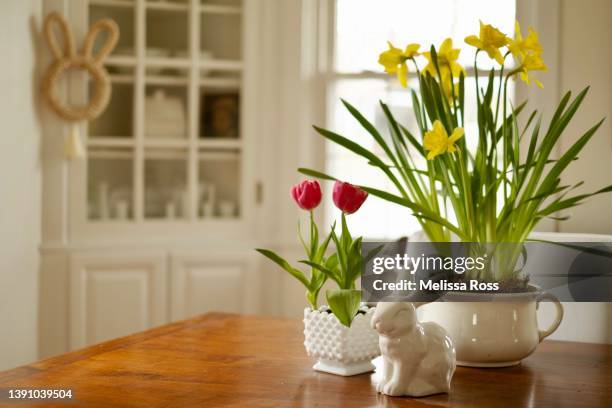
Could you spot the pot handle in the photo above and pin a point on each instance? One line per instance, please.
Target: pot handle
(559, 308)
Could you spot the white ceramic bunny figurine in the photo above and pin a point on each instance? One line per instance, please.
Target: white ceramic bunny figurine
(418, 358)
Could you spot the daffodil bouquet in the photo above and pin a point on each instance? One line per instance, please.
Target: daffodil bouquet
(496, 192)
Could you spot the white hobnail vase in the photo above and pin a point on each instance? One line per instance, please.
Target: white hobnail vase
(339, 349)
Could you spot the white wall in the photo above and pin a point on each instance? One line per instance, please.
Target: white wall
(585, 59)
(19, 182)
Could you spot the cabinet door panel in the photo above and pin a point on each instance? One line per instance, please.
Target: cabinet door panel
(213, 287)
(202, 284)
(114, 295)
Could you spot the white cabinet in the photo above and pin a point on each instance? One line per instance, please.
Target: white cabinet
(114, 295)
(201, 282)
(136, 233)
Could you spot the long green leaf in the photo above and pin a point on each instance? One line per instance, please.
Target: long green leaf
(571, 202)
(330, 273)
(361, 151)
(418, 112)
(296, 273)
(570, 155)
(370, 128)
(316, 174)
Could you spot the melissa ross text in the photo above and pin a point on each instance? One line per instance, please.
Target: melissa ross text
(442, 285)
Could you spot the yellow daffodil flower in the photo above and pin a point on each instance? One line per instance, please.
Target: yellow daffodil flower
(489, 40)
(438, 142)
(532, 62)
(394, 61)
(519, 46)
(447, 60)
(528, 53)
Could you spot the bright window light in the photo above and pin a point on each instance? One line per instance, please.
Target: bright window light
(362, 30)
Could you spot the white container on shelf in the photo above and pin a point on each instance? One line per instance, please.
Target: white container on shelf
(164, 116)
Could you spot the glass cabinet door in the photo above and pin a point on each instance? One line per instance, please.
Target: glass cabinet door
(169, 146)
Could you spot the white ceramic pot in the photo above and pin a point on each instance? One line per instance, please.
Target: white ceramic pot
(339, 349)
(496, 333)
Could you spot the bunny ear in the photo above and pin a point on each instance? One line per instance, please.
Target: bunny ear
(69, 49)
(112, 36)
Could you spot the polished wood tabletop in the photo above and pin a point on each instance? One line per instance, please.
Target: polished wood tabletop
(251, 361)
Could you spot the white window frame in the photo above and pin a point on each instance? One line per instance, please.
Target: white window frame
(319, 17)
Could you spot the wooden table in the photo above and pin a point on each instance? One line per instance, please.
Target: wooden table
(250, 361)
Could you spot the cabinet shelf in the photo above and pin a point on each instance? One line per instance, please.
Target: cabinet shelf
(120, 61)
(159, 143)
(110, 154)
(169, 143)
(225, 144)
(166, 80)
(221, 83)
(221, 65)
(220, 9)
(208, 64)
(113, 3)
(166, 6)
(163, 62)
(122, 78)
(170, 80)
(159, 154)
(110, 141)
(218, 156)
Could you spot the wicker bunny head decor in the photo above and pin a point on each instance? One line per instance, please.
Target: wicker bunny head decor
(67, 58)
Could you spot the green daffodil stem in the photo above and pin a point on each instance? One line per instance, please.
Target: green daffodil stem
(416, 66)
(499, 89)
(469, 214)
(476, 76)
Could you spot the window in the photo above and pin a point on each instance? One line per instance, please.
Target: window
(362, 29)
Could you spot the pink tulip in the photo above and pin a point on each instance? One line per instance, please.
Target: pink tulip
(307, 194)
(348, 197)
